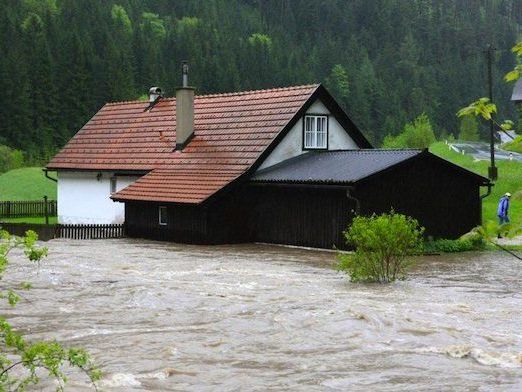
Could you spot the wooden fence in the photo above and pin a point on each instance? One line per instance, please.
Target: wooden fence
(16, 209)
(89, 231)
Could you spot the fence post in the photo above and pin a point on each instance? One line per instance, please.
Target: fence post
(46, 211)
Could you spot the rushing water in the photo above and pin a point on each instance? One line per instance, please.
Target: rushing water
(168, 317)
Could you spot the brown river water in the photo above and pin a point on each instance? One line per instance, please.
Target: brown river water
(168, 317)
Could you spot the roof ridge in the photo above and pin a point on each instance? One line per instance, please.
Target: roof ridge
(136, 101)
(266, 90)
(227, 94)
(390, 149)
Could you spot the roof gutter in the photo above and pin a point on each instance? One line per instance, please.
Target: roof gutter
(46, 172)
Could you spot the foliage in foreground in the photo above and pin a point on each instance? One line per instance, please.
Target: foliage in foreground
(21, 362)
(515, 145)
(486, 109)
(382, 246)
(491, 230)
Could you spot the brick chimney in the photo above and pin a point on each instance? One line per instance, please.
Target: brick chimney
(184, 111)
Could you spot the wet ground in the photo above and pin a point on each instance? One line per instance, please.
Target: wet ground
(167, 317)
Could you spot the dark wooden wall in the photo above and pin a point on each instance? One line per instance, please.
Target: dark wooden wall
(305, 217)
(185, 223)
(445, 201)
(301, 216)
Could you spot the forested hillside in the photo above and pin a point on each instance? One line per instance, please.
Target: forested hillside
(386, 61)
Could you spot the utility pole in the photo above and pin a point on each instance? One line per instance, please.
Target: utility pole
(492, 170)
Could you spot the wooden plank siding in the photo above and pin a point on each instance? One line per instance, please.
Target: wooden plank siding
(313, 218)
(185, 223)
(301, 216)
(444, 200)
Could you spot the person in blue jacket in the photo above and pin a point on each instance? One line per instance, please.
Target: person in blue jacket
(503, 209)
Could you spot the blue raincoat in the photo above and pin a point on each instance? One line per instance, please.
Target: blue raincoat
(503, 207)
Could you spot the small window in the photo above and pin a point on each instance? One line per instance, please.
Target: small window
(315, 132)
(163, 216)
(114, 184)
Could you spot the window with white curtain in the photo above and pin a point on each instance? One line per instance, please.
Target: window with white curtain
(315, 132)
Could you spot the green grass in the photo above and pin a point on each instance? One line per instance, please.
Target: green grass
(28, 183)
(509, 180)
(31, 219)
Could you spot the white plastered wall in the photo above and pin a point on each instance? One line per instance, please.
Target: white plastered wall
(85, 198)
(292, 143)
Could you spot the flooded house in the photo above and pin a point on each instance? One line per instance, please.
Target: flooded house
(283, 165)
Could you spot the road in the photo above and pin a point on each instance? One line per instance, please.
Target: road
(480, 151)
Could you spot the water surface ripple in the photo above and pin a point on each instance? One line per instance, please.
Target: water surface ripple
(168, 317)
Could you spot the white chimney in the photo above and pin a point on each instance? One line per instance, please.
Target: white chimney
(184, 111)
(155, 93)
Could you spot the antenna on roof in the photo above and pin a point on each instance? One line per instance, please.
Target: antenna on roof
(184, 73)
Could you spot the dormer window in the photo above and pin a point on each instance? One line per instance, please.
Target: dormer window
(315, 135)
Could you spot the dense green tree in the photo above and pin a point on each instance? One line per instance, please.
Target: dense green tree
(417, 134)
(338, 83)
(385, 61)
(469, 129)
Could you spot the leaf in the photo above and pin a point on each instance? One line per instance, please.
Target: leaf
(507, 125)
(517, 49)
(512, 76)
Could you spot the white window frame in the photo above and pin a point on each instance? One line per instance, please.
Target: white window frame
(160, 221)
(113, 184)
(315, 132)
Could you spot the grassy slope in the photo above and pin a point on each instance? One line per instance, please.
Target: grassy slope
(509, 180)
(28, 183)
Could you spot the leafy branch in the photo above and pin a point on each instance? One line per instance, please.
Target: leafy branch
(49, 356)
(484, 108)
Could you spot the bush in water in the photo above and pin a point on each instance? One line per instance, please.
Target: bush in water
(382, 246)
(27, 360)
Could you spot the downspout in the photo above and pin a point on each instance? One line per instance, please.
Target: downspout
(46, 172)
(489, 185)
(482, 197)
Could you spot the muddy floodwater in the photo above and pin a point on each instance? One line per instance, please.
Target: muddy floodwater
(167, 317)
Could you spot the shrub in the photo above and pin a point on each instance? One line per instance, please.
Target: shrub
(10, 159)
(382, 246)
(417, 134)
(469, 241)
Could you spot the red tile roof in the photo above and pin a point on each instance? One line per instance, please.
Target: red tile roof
(231, 131)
